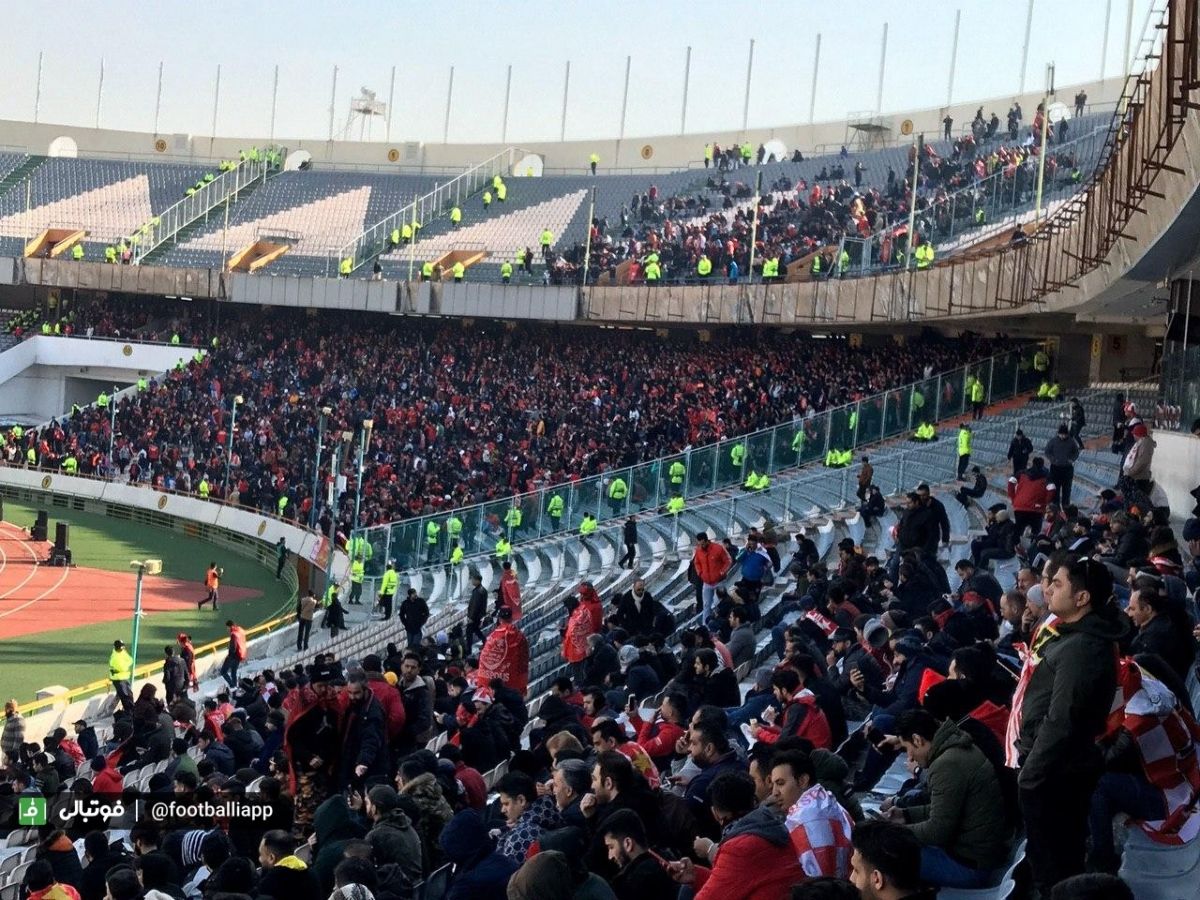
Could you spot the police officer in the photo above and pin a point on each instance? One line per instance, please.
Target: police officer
(387, 590)
(618, 490)
(433, 533)
(506, 271)
(358, 570)
(487, 200)
(704, 267)
(455, 216)
(77, 251)
(459, 270)
(554, 509)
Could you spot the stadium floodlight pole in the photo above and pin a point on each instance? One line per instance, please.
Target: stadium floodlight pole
(37, 94)
(312, 512)
(449, 98)
(229, 450)
(562, 130)
(754, 225)
(275, 101)
(882, 66)
(390, 106)
(364, 440)
(812, 97)
(158, 98)
(100, 92)
(347, 437)
(1104, 40)
(216, 100)
(687, 75)
(1037, 214)
(507, 95)
(746, 99)
(587, 247)
(625, 98)
(953, 56)
(1127, 67)
(1025, 44)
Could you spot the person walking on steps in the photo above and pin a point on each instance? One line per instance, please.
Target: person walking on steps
(387, 590)
(281, 558)
(120, 673)
(306, 609)
(630, 538)
(212, 583)
(236, 654)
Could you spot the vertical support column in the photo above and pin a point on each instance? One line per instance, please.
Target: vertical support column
(812, 98)
(562, 131)
(37, 93)
(953, 57)
(390, 107)
(687, 74)
(1104, 40)
(1025, 43)
(332, 102)
(746, 100)
(157, 95)
(449, 98)
(507, 94)
(216, 101)
(100, 92)
(882, 67)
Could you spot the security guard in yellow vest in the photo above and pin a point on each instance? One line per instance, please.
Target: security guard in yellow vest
(496, 182)
(455, 217)
(394, 237)
(345, 267)
(814, 267)
(512, 519)
(977, 395)
(1041, 361)
(737, 454)
(546, 239)
(433, 533)
(1055, 390)
(388, 586)
(843, 263)
(456, 555)
(554, 509)
(71, 465)
(427, 271)
(770, 269)
(588, 525)
(704, 267)
(31, 458)
(406, 233)
(102, 401)
(521, 257)
(487, 199)
(798, 441)
(358, 570)
(459, 271)
(503, 548)
(203, 488)
(924, 255)
(653, 272)
(110, 255)
(142, 385)
(506, 271)
(677, 472)
(502, 192)
(175, 339)
(281, 504)
(593, 161)
(964, 449)
(454, 527)
(708, 155)
(77, 252)
(618, 490)
(1043, 391)
(675, 505)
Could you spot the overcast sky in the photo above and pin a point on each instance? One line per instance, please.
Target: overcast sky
(365, 38)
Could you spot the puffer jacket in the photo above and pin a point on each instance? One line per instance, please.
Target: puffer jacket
(394, 840)
(964, 798)
(426, 793)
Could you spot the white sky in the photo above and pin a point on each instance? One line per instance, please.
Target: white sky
(365, 38)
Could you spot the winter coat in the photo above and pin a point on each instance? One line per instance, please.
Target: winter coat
(1031, 491)
(334, 826)
(645, 617)
(1067, 696)
(364, 736)
(175, 675)
(1061, 451)
(1139, 459)
(394, 840)
(964, 802)
(13, 736)
(711, 562)
(289, 879)
(480, 871)
(600, 663)
(742, 644)
(755, 861)
(644, 878)
(1160, 636)
(391, 702)
(802, 717)
(542, 816)
(435, 813)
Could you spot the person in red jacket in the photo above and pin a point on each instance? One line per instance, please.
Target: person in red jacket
(188, 653)
(505, 655)
(1031, 492)
(711, 561)
(236, 655)
(801, 715)
(755, 859)
(659, 736)
(387, 694)
(510, 590)
(585, 619)
(107, 782)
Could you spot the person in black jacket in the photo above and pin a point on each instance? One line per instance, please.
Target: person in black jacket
(414, 613)
(600, 662)
(175, 675)
(940, 519)
(1163, 627)
(476, 610)
(85, 737)
(283, 876)
(364, 734)
(978, 488)
(640, 614)
(1020, 448)
(100, 857)
(629, 536)
(640, 875)
(874, 507)
(1127, 545)
(716, 686)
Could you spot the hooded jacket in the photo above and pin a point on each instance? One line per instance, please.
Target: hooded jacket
(289, 879)
(394, 840)
(389, 699)
(1065, 694)
(1031, 491)
(755, 861)
(711, 562)
(585, 620)
(481, 873)
(435, 813)
(334, 826)
(63, 860)
(964, 800)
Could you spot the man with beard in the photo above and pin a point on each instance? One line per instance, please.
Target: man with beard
(311, 740)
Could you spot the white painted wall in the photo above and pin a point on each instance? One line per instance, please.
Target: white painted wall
(1177, 469)
(34, 375)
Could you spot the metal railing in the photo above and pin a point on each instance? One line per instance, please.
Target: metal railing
(726, 464)
(175, 218)
(375, 239)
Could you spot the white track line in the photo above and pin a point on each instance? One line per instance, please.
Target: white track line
(41, 596)
(32, 571)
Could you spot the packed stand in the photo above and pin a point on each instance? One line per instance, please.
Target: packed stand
(460, 416)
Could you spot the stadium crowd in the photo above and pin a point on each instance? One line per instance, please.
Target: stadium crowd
(706, 236)
(460, 416)
(1030, 714)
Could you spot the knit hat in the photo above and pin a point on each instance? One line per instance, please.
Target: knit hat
(762, 678)
(876, 633)
(627, 656)
(391, 678)
(842, 633)
(483, 695)
(909, 645)
(372, 663)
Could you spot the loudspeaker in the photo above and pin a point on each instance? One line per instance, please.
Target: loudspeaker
(62, 535)
(40, 527)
